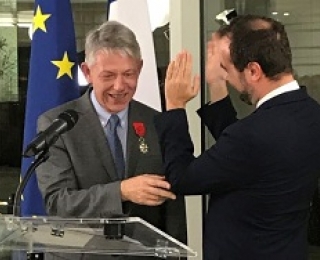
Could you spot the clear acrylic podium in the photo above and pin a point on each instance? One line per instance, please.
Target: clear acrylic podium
(130, 236)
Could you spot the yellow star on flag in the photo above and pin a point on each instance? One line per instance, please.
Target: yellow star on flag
(64, 66)
(39, 20)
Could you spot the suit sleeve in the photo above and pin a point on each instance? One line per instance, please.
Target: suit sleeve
(175, 218)
(60, 190)
(223, 167)
(218, 116)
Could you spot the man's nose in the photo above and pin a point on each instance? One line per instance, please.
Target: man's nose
(119, 83)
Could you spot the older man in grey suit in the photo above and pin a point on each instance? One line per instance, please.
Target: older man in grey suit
(82, 177)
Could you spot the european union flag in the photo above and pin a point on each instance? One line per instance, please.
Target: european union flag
(52, 79)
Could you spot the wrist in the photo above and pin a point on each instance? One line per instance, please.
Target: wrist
(218, 92)
(124, 196)
(175, 105)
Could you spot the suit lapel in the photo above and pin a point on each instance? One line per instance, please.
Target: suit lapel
(91, 128)
(133, 152)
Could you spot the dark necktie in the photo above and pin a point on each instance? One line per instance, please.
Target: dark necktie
(115, 145)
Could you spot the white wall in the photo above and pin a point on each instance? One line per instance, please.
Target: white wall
(184, 34)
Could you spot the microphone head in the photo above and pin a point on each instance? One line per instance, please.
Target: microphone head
(65, 121)
(70, 117)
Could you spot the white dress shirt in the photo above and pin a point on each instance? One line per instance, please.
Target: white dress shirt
(293, 85)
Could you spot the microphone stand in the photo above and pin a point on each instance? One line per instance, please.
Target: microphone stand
(42, 157)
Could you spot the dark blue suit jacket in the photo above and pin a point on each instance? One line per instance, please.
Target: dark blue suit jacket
(261, 175)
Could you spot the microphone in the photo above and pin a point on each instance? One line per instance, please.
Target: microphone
(65, 122)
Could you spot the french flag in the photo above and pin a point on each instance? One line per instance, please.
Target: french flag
(135, 15)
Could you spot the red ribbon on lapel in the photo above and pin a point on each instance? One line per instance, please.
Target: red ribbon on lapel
(139, 128)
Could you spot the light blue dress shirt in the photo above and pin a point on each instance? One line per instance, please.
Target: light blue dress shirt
(104, 117)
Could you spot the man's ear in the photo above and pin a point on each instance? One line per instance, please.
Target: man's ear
(253, 71)
(86, 71)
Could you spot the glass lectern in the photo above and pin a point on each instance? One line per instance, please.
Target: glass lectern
(130, 236)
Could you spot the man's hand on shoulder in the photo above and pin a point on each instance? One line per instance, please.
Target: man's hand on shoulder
(146, 189)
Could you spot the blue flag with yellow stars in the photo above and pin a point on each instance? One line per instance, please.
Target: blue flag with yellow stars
(52, 80)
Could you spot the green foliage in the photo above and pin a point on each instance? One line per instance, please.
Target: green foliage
(6, 61)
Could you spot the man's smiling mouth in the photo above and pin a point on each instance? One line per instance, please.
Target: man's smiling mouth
(117, 96)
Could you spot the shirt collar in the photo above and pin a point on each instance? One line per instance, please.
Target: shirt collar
(105, 115)
(293, 85)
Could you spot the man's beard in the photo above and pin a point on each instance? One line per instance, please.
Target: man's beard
(244, 95)
(246, 98)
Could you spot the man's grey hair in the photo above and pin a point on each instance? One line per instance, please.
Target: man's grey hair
(111, 36)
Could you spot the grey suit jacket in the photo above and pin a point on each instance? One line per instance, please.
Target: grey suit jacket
(79, 178)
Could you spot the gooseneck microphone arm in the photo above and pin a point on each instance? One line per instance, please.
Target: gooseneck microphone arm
(41, 158)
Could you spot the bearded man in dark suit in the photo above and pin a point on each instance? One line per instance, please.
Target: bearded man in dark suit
(263, 170)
